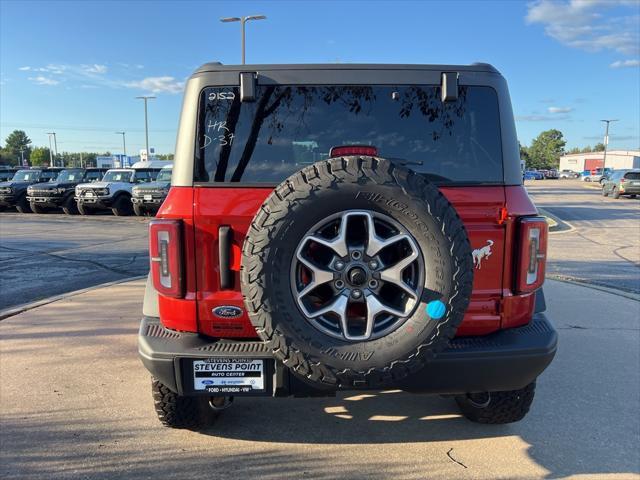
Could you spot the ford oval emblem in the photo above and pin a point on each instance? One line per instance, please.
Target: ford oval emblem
(227, 311)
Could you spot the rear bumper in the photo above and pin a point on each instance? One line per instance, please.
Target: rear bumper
(505, 360)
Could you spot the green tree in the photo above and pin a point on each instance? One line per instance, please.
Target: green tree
(14, 143)
(546, 149)
(586, 149)
(574, 150)
(39, 156)
(524, 154)
(599, 147)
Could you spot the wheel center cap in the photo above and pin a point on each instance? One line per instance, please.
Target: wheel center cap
(357, 276)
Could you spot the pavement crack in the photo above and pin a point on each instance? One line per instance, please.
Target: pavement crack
(454, 460)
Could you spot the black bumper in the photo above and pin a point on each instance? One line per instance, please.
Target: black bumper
(7, 200)
(505, 360)
(96, 202)
(46, 201)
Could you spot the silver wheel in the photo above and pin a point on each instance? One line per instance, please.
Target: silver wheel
(357, 275)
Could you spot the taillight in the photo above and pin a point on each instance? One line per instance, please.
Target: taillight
(346, 150)
(165, 252)
(622, 180)
(533, 254)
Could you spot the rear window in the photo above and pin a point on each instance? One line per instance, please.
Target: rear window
(289, 127)
(632, 175)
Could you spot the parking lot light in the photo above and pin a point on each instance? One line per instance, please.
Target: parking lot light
(242, 21)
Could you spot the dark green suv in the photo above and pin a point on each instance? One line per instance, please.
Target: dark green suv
(622, 182)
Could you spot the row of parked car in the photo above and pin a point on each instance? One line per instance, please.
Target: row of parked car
(140, 189)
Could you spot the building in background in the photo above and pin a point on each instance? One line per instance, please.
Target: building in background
(616, 159)
(115, 161)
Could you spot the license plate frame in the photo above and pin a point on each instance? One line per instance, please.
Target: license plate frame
(234, 387)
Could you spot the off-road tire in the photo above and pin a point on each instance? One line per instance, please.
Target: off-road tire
(604, 192)
(177, 411)
(503, 407)
(122, 206)
(615, 193)
(22, 205)
(70, 207)
(139, 211)
(35, 208)
(85, 210)
(312, 355)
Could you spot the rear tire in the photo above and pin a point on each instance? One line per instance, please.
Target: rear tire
(22, 205)
(615, 193)
(139, 211)
(177, 411)
(84, 210)
(497, 407)
(122, 206)
(35, 208)
(70, 207)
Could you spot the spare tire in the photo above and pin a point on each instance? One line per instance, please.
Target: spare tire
(356, 272)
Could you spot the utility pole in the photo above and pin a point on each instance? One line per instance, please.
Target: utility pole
(22, 156)
(606, 142)
(50, 151)
(146, 124)
(242, 21)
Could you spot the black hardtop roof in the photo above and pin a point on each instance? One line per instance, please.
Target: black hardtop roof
(219, 67)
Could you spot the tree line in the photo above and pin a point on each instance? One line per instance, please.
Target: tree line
(547, 148)
(18, 145)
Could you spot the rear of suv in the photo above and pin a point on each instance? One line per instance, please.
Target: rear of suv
(622, 183)
(346, 227)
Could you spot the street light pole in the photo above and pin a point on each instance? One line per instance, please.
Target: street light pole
(606, 142)
(50, 150)
(242, 21)
(22, 156)
(124, 145)
(146, 124)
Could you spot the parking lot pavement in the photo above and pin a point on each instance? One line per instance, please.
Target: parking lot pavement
(604, 246)
(76, 403)
(50, 254)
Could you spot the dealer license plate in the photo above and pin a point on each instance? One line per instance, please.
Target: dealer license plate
(229, 375)
(88, 194)
(147, 197)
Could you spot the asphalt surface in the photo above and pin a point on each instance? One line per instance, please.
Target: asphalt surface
(50, 254)
(76, 404)
(603, 248)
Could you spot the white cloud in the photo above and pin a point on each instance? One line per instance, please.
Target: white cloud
(25, 69)
(42, 80)
(158, 85)
(560, 109)
(94, 69)
(541, 118)
(582, 24)
(625, 64)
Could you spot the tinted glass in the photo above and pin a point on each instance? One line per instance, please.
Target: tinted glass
(49, 175)
(70, 175)
(632, 176)
(26, 175)
(164, 176)
(93, 176)
(289, 127)
(143, 176)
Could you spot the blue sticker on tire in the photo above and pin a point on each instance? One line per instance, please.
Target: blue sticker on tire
(436, 309)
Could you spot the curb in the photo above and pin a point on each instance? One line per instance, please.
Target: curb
(602, 288)
(560, 226)
(10, 312)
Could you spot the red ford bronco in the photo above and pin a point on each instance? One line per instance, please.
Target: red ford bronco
(346, 227)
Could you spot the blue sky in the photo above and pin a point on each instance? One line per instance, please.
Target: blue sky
(75, 67)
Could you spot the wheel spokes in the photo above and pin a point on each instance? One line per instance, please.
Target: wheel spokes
(319, 275)
(376, 243)
(339, 243)
(394, 273)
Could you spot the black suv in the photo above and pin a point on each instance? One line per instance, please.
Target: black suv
(13, 193)
(148, 197)
(7, 173)
(59, 193)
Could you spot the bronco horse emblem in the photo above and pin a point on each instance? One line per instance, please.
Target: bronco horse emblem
(481, 253)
